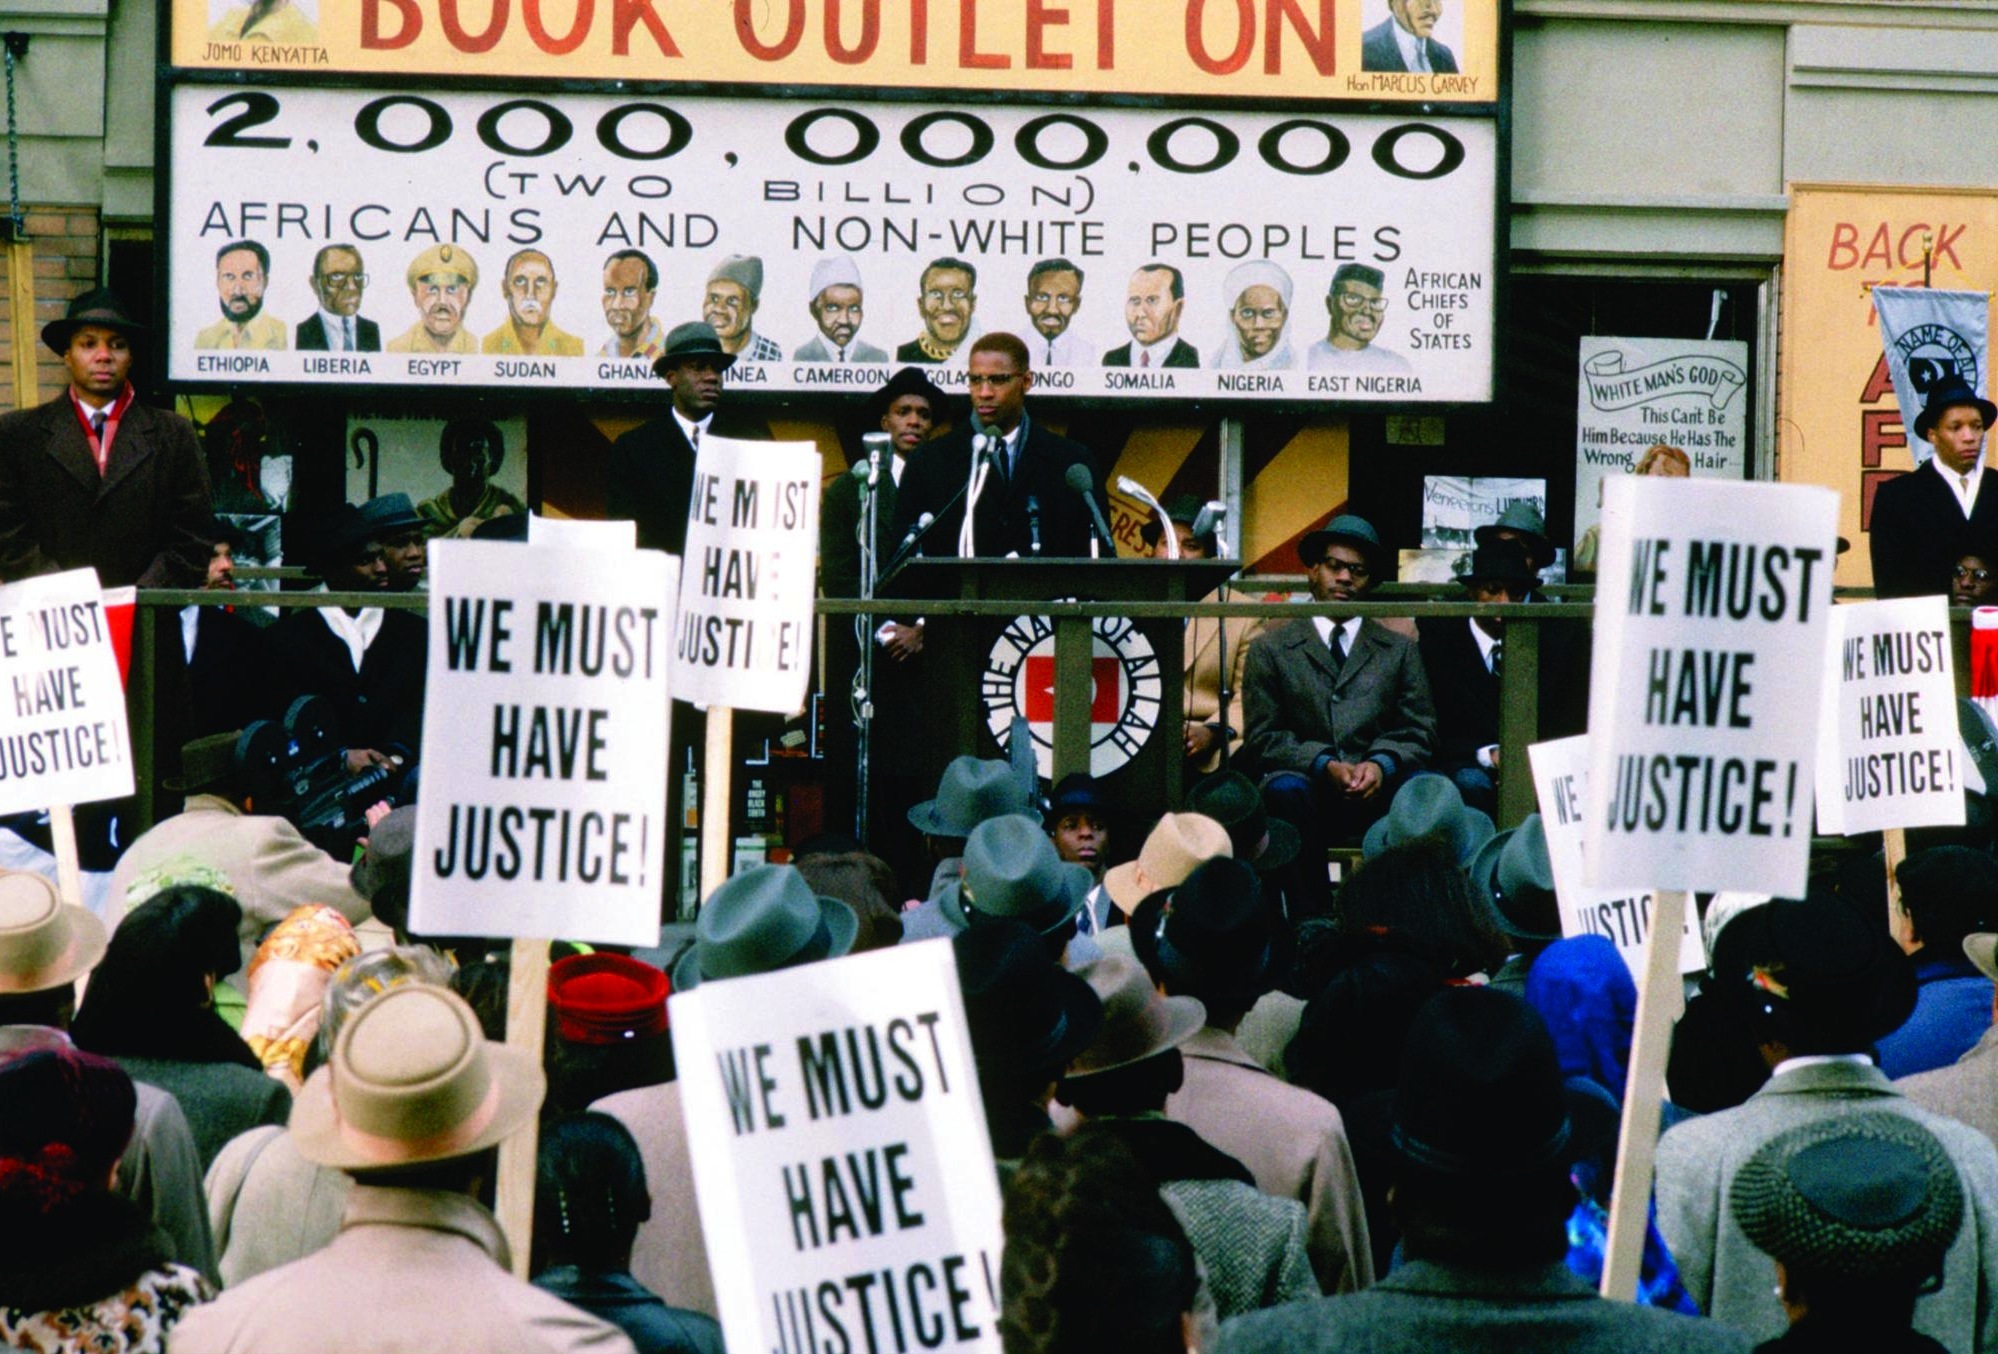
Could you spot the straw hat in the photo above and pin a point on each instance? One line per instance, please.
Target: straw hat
(413, 1079)
(44, 942)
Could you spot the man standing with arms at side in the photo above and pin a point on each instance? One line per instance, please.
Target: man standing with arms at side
(1025, 505)
(95, 479)
(1924, 522)
(1337, 711)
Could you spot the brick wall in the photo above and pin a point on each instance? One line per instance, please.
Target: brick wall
(67, 248)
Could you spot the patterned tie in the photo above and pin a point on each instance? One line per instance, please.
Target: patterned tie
(1498, 657)
(1145, 357)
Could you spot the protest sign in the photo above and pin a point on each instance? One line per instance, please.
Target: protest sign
(544, 744)
(743, 636)
(1651, 406)
(1712, 618)
(63, 737)
(841, 1161)
(580, 534)
(1889, 753)
(1620, 916)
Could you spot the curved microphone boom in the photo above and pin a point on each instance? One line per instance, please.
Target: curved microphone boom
(1127, 485)
(1208, 522)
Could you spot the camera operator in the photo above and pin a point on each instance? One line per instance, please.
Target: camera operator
(268, 865)
(367, 661)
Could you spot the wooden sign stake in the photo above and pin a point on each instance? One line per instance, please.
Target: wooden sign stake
(1661, 997)
(62, 835)
(1895, 842)
(715, 788)
(526, 1023)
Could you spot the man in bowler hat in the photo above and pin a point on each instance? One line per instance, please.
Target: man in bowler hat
(1817, 986)
(1481, 1192)
(96, 480)
(1337, 710)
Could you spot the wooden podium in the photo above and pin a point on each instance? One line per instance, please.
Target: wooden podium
(1105, 696)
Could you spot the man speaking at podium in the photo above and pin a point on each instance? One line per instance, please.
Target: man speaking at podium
(1019, 474)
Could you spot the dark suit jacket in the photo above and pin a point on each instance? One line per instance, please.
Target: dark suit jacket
(147, 520)
(1918, 531)
(839, 532)
(651, 478)
(1464, 690)
(311, 335)
(1380, 52)
(1429, 1306)
(1296, 708)
(1181, 354)
(940, 468)
(379, 705)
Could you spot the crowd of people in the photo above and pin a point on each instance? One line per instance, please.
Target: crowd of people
(1303, 1062)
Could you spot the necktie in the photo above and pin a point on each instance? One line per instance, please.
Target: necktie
(97, 433)
(1145, 357)
(695, 440)
(1422, 57)
(347, 331)
(842, 355)
(1337, 648)
(1051, 360)
(1498, 657)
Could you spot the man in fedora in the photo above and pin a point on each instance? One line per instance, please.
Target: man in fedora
(1429, 806)
(1028, 1018)
(1480, 1148)
(1821, 985)
(1967, 1089)
(650, 481)
(1337, 709)
(908, 409)
(1215, 938)
(413, 1104)
(1178, 844)
(1463, 660)
(1251, 1243)
(1513, 873)
(971, 791)
(1521, 524)
(404, 538)
(760, 921)
(1012, 872)
(46, 946)
(1924, 521)
(96, 480)
(270, 867)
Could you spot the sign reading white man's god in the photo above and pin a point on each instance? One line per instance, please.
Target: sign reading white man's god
(1713, 612)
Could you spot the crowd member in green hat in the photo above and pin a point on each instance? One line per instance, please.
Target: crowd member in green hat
(1430, 806)
(1858, 1214)
(1012, 871)
(1513, 873)
(970, 792)
(760, 921)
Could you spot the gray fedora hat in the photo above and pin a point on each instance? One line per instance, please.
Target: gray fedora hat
(1345, 529)
(971, 792)
(762, 920)
(389, 513)
(1012, 870)
(1513, 873)
(695, 338)
(1430, 806)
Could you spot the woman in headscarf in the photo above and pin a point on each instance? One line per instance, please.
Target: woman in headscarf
(82, 1271)
(1258, 339)
(1583, 990)
(151, 1006)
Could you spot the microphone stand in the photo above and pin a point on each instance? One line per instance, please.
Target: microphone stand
(870, 519)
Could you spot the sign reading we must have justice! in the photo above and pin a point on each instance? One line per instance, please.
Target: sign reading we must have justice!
(370, 237)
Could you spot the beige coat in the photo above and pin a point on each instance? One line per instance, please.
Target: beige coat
(670, 1255)
(270, 866)
(1203, 672)
(1292, 1141)
(1966, 1090)
(410, 1270)
(269, 1206)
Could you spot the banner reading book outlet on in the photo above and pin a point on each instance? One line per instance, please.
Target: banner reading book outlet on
(1712, 615)
(543, 810)
(840, 1154)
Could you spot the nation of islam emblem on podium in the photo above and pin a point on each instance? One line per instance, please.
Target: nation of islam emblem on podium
(1125, 697)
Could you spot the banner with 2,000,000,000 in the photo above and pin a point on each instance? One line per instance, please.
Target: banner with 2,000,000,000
(353, 237)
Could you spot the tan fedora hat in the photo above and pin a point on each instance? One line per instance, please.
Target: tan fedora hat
(44, 942)
(1180, 842)
(1138, 1023)
(413, 1079)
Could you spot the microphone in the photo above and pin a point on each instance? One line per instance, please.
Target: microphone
(1212, 514)
(1033, 525)
(859, 470)
(915, 534)
(1079, 479)
(1127, 485)
(877, 448)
